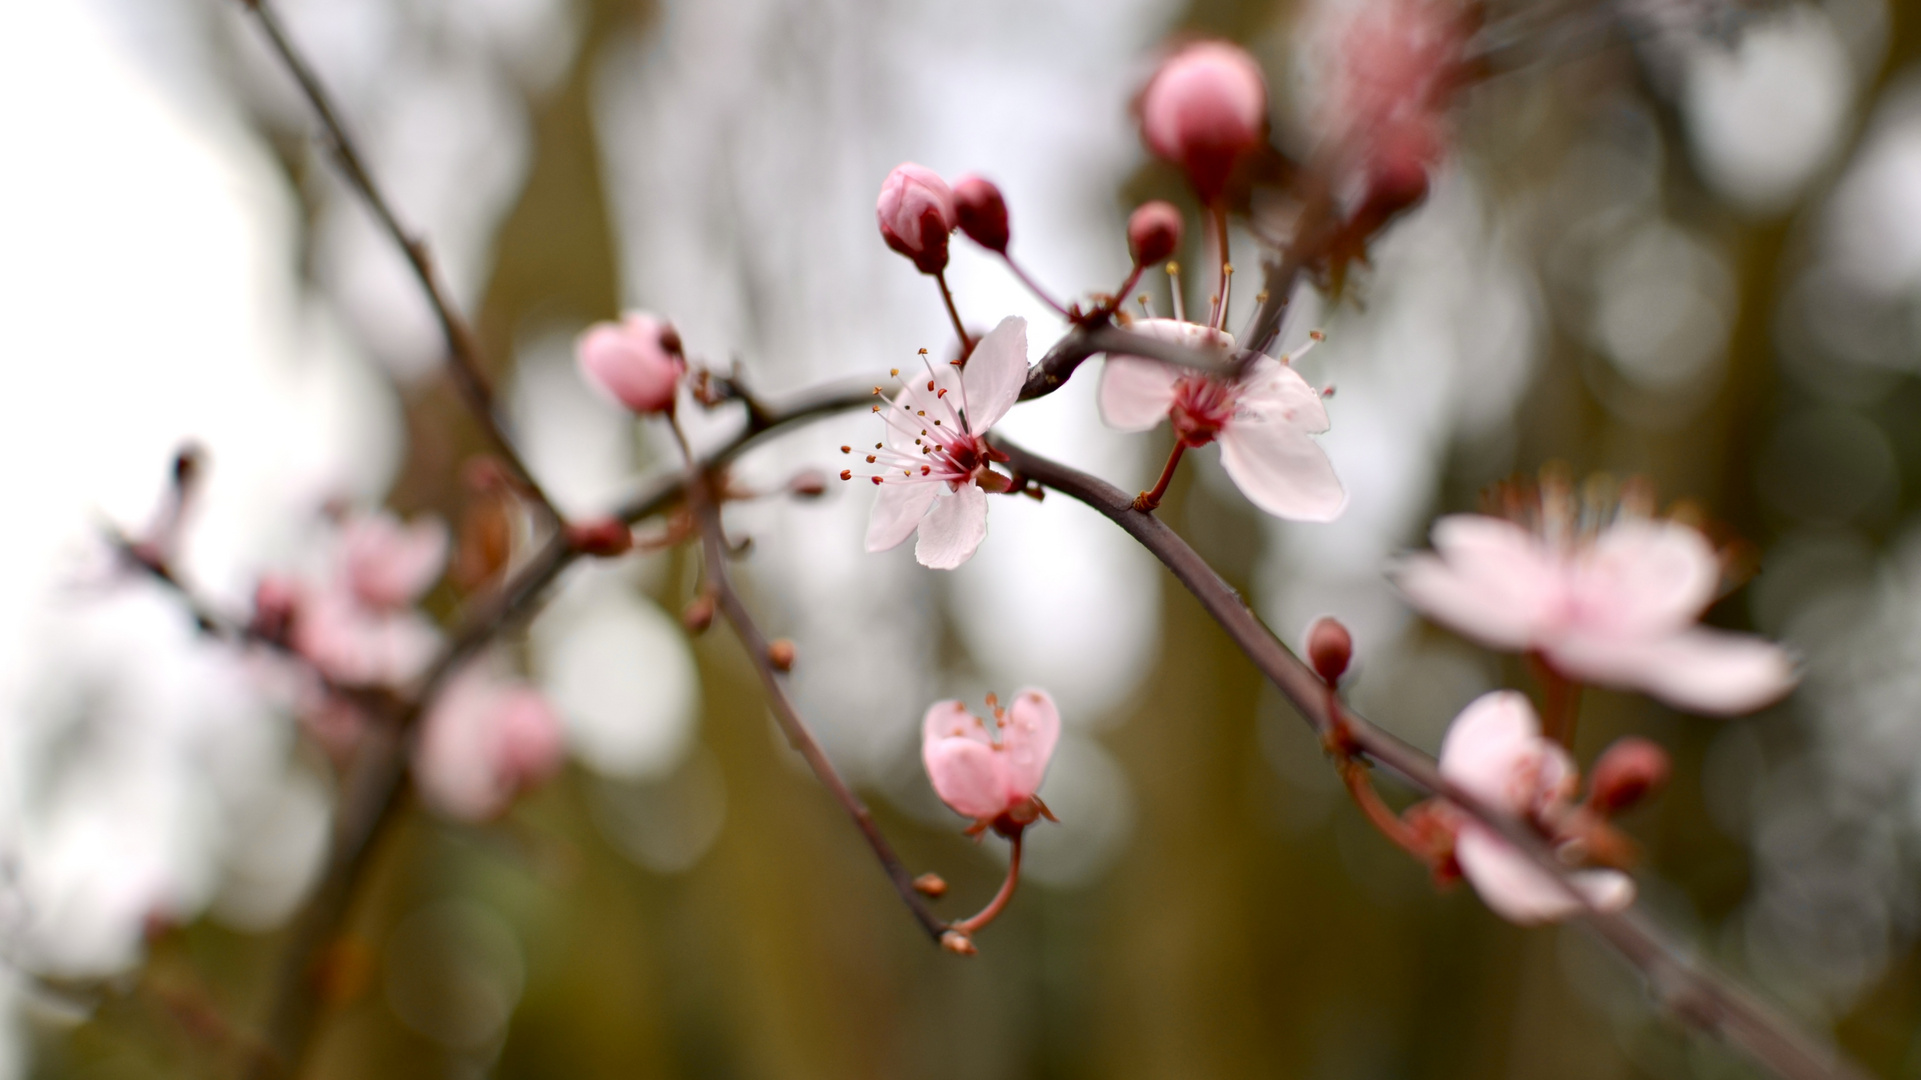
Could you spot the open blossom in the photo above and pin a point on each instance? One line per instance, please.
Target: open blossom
(1204, 110)
(360, 628)
(1263, 420)
(916, 213)
(484, 741)
(636, 361)
(933, 457)
(389, 565)
(1495, 750)
(991, 779)
(1616, 607)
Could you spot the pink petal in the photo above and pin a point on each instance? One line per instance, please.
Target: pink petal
(389, 565)
(1520, 892)
(1027, 739)
(1699, 670)
(451, 758)
(1643, 576)
(898, 510)
(1492, 581)
(967, 775)
(1281, 470)
(950, 720)
(529, 743)
(953, 529)
(1136, 393)
(1277, 394)
(1494, 741)
(995, 372)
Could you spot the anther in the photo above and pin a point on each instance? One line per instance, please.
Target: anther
(846, 449)
(870, 459)
(847, 474)
(893, 373)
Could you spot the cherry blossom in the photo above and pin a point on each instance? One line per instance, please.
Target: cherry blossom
(992, 778)
(1495, 750)
(360, 627)
(636, 361)
(934, 458)
(916, 213)
(1262, 420)
(484, 741)
(1204, 110)
(1397, 63)
(1614, 606)
(389, 565)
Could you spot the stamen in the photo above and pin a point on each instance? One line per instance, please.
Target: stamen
(1174, 287)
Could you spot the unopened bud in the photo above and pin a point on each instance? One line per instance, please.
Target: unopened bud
(916, 212)
(1204, 110)
(932, 885)
(780, 654)
(698, 615)
(187, 464)
(1153, 232)
(275, 601)
(808, 484)
(1329, 649)
(957, 943)
(982, 213)
(604, 538)
(1627, 772)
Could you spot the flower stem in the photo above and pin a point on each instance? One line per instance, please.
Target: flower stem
(1561, 712)
(1032, 286)
(1146, 501)
(947, 297)
(1220, 239)
(969, 926)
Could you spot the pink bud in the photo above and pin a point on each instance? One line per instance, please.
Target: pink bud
(982, 213)
(1329, 649)
(916, 212)
(1627, 772)
(1153, 232)
(636, 361)
(603, 537)
(1204, 110)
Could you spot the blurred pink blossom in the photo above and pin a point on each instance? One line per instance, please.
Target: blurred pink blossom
(356, 645)
(1204, 110)
(1397, 64)
(484, 741)
(387, 565)
(1263, 420)
(636, 361)
(916, 213)
(1495, 750)
(1617, 608)
(934, 457)
(985, 778)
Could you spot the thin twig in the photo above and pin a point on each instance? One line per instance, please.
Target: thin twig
(1691, 990)
(464, 360)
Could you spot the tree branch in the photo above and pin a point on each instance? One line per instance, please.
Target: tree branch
(1697, 994)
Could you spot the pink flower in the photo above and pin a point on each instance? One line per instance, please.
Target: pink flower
(1263, 420)
(1204, 110)
(1397, 65)
(357, 645)
(992, 780)
(636, 361)
(1616, 607)
(1495, 750)
(484, 741)
(387, 565)
(916, 212)
(934, 458)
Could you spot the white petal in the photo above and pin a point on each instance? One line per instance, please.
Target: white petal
(1033, 727)
(1281, 470)
(953, 528)
(1278, 394)
(995, 372)
(898, 509)
(1492, 581)
(1699, 670)
(1520, 892)
(1135, 393)
(1490, 744)
(1643, 576)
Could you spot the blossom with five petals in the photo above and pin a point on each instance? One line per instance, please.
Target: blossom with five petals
(992, 780)
(1495, 751)
(934, 458)
(1263, 420)
(1616, 607)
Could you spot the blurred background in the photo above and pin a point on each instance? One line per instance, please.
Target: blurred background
(1671, 249)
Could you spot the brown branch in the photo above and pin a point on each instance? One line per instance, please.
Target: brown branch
(464, 360)
(1694, 992)
(792, 725)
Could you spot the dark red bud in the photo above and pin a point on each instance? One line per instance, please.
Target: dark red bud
(780, 654)
(1329, 649)
(1627, 772)
(808, 484)
(1153, 232)
(982, 213)
(604, 538)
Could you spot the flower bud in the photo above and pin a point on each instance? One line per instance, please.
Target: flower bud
(780, 654)
(916, 212)
(1153, 232)
(1627, 772)
(808, 484)
(931, 885)
(636, 361)
(1203, 111)
(604, 538)
(982, 213)
(1329, 649)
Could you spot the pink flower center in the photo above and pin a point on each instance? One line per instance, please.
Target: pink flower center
(931, 439)
(1202, 407)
